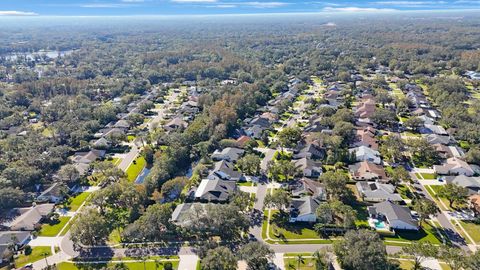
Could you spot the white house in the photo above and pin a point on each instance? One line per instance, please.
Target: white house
(364, 153)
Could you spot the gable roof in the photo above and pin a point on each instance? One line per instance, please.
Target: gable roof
(215, 190)
(464, 181)
(367, 170)
(304, 206)
(394, 211)
(225, 170)
(31, 217)
(378, 191)
(229, 153)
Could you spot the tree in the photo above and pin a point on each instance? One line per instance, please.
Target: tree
(145, 106)
(322, 260)
(422, 152)
(383, 97)
(473, 261)
(335, 185)
(172, 189)
(420, 251)
(90, 228)
(220, 258)
(361, 250)
(289, 137)
(384, 117)
(473, 155)
(454, 257)
(413, 123)
(256, 254)
(108, 172)
(249, 164)
(300, 260)
(453, 193)
(280, 199)
(345, 130)
(399, 174)
(336, 213)
(68, 173)
(425, 208)
(10, 198)
(282, 170)
(392, 148)
(153, 225)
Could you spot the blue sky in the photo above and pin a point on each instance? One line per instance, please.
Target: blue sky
(180, 7)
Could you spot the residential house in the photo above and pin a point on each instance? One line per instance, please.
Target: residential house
(366, 137)
(437, 139)
(18, 238)
(53, 194)
(231, 154)
(88, 157)
(101, 143)
(443, 150)
(242, 141)
(366, 109)
(392, 215)
(255, 131)
(226, 171)
(309, 187)
(308, 167)
(181, 216)
(377, 192)
(30, 218)
(175, 124)
(433, 129)
(309, 150)
(367, 171)
(454, 166)
(122, 124)
(303, 209)
(474, 204)
(215, 190)
(468, 182)
(364, 153)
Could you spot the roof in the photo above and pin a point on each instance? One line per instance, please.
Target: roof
(88, 157)
(315, 188)
(394, 211)
(176, 123)
(435, 138)
(306, 163)
(364, 151)
(436, 129)
(367, 170)
(366, 109)
(454, 164)
(6, 237)
(366, 137)
(225, 170)
(378, 191)
(32, 217)
(229, 153)
(243, 140)
(122, 124)
(464, 181)
(215, 190)
(304, 206)
(181, 213)
(260, 121)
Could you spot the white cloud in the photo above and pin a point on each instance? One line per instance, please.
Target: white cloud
(474, 2)
(133, 1)
(266, 4)
(16, 13)
(194, 1)
(103, 5)
(409, 3)
(356, 9)
(224, 6)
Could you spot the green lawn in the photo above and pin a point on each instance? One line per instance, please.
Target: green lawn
(303, 264)
(405, 192)
(53, 230)
(131, 138)
(432, 191)
(116, 161)
(67, 228)
(75, 202)
(429, 176)
(427, 234)
(472, 229)
(131, 265)
(36, 255)
(283, 232)
(135, 168)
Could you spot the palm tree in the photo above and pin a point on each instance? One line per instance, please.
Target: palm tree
(44, 255)
(300, 260)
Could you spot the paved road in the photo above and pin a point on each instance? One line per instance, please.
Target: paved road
(448, 227)
(257, 218)
(129, 158)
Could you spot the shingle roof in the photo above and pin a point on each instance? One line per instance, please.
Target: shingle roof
(394, 211)
(215, 190)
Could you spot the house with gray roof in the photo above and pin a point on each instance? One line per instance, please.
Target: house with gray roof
(226, 171)
(309, 187)
(18, 238)
(377, 192)
(392, 215)
(435, 139)
(215, 190)
(31, 217)
(303, 209)
(231, 154)
(468, 182)
(308, 167)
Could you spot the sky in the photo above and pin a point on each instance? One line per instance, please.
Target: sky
(201, 7)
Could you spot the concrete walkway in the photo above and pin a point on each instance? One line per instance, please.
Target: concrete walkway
(188, 262)
(278, 261)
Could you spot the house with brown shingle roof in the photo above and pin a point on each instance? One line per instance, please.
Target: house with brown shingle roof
(366, 137)
(367, 171)
(366, 109)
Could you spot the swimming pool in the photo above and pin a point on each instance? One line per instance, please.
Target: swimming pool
(380, 224)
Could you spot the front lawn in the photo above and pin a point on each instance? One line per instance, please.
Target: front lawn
(38, 253)
(427, 234)
(75, 202)
(472, 229)
(53, 229)
(136, 168)
(305, 262)
(429, 176)
(149, 265)
(284, 231)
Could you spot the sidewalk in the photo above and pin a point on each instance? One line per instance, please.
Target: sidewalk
(188, 262)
